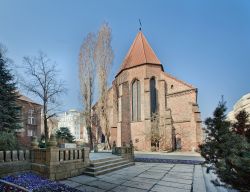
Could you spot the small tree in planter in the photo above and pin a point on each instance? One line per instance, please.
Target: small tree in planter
(64, 135)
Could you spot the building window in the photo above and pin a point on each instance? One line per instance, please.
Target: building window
(153, 96)
(30, 133)
(165, 87)
(31, 117)
(19, 113)
(136, 101)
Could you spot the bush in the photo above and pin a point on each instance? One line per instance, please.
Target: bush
(8, 141)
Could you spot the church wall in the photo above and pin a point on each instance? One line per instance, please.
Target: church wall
(153, 71)
(180, 100)
(175, 85)
(137, 127)
(194, 141)
(113, 135)
(184, 121)
(138, 135)
(181, 106)
(138, 132)
(126, 112)
(197, 118)
(182, 130)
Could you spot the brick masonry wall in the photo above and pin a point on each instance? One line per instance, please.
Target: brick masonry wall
(113, 136)
(179, 98)
(23, 138)
(184, 120)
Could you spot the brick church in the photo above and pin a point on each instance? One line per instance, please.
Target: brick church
(150, 107)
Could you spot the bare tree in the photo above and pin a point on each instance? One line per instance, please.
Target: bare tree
(157, 133)
(42, 82)
(86, 76)
(116, 96)
(104, 58)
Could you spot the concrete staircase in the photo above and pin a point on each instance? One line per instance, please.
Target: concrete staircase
(102, 166)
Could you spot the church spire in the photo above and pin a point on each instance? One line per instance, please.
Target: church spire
(139, 53)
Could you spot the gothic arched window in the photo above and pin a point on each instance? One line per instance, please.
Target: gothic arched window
(153, 96)
(136, 101)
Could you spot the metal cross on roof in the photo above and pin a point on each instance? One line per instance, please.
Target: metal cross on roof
(140, 25)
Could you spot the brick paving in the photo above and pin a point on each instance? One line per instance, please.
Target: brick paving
(143, 177)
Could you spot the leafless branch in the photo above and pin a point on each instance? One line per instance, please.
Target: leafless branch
(87, 69)
(41, 81)
(104, 58)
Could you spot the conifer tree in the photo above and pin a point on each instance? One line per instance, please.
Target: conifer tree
(65, 135)
(227, 148)
(217, 130)
(9, 111)
(241, 126)
(235, 168)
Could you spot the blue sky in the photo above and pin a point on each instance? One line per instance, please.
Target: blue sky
(205, 43)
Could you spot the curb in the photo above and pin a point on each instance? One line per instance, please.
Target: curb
(175, 161)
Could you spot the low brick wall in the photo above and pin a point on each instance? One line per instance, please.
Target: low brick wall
(14, 161)
(56, 163)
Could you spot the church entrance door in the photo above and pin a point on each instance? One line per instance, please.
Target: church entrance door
(178, 143)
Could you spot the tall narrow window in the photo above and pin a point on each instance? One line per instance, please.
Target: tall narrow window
(136, 101)
(30, 133)
(153, 96)
(31, 117)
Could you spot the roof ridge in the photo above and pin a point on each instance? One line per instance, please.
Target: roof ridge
(143, 47)
(130, 50)
(180, 81)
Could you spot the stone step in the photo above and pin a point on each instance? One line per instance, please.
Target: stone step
(107, 170)
(105, 159)
(107, 165)
(105, 162)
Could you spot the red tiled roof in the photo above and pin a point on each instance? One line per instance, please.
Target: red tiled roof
(139, 53)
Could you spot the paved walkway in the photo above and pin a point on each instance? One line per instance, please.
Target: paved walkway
(143, 177)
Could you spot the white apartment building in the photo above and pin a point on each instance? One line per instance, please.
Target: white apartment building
(76, 124)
